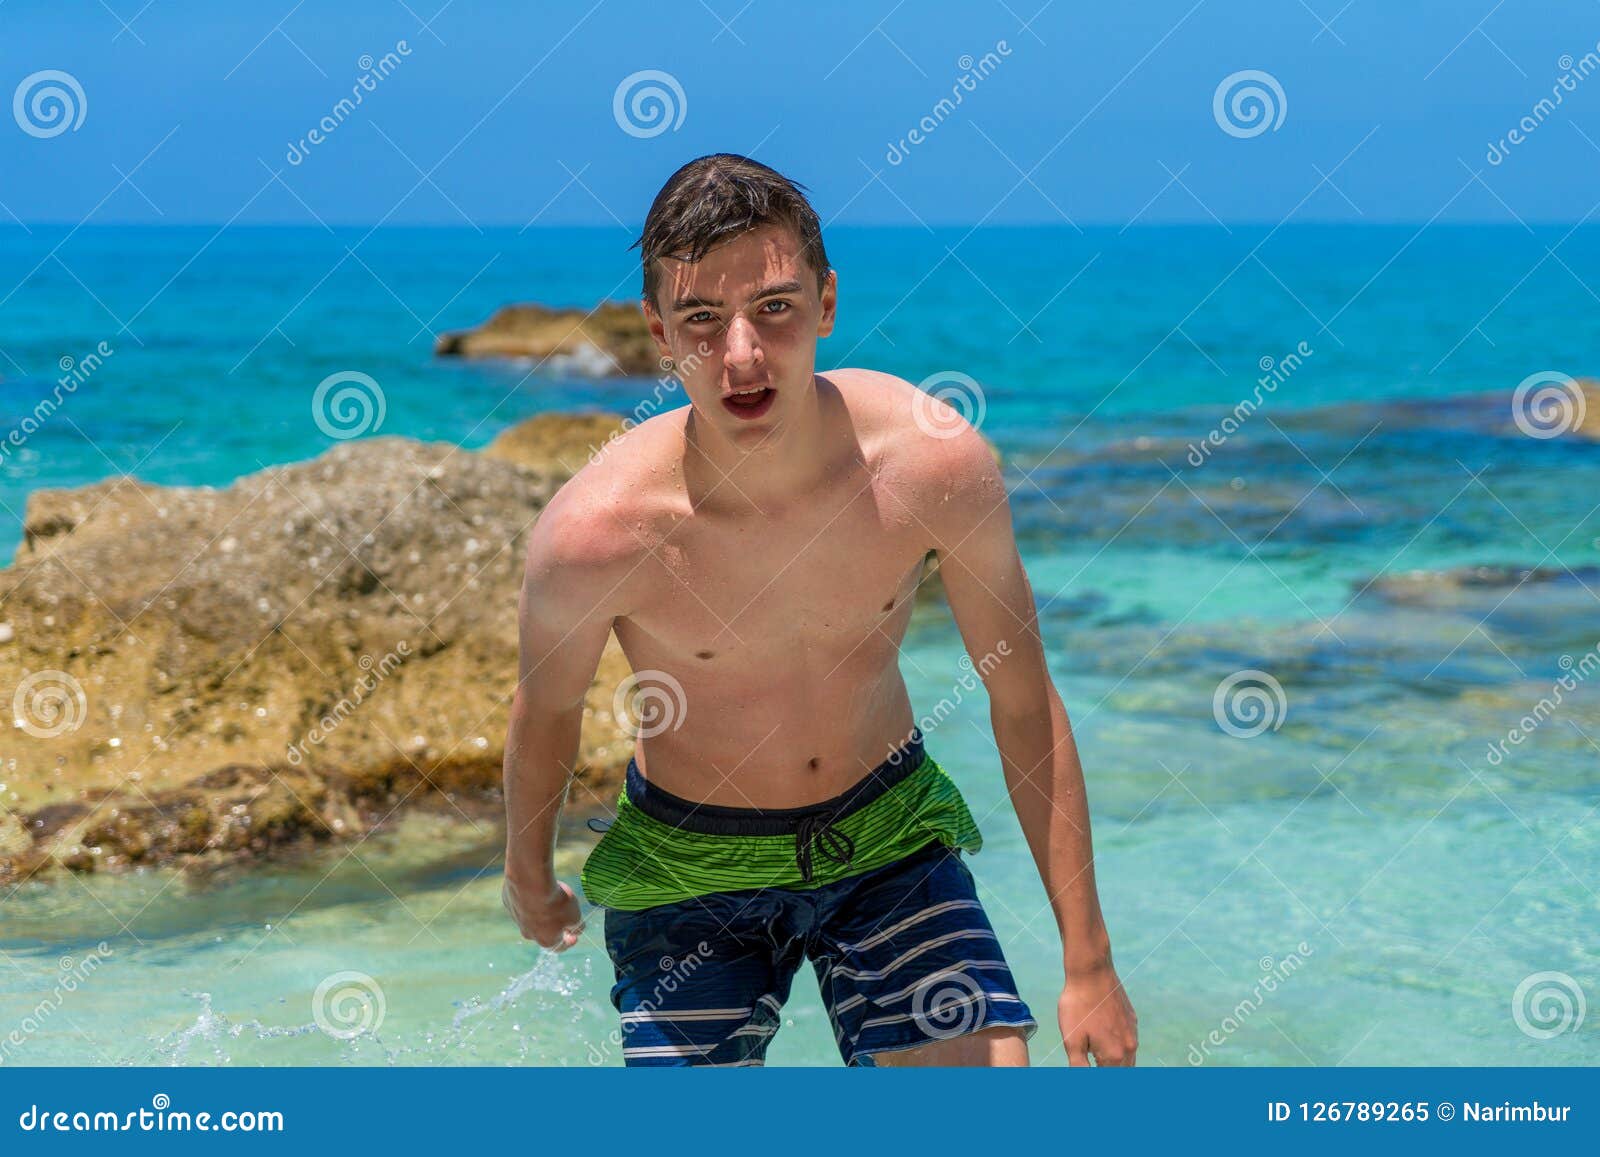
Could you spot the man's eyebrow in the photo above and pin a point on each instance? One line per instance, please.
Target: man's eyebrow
(774, 290)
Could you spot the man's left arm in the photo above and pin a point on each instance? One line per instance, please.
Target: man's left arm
(994, 610)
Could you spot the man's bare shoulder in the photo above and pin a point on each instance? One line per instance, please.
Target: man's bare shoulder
(920, 439)
(605, 518)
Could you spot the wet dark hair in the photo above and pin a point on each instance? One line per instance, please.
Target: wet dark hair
(713, 199)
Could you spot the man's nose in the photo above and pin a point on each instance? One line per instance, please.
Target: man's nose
(743, 350)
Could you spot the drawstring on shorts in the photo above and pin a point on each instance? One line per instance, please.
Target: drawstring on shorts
(833, 843)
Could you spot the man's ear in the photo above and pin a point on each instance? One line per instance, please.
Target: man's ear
(658, 327)
(830, 303)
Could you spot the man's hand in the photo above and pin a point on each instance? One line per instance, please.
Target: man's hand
(548, 916)
(1097, 1017)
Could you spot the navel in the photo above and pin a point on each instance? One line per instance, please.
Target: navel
(889, 606)
(813, 762)
(704, 654)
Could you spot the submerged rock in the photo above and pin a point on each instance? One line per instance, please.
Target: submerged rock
(611, 339)
(205, 673)
(1437, 587)
(1589, 425)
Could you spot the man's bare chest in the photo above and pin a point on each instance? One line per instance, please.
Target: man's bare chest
(814, 579)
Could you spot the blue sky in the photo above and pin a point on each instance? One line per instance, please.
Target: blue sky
(502, 113)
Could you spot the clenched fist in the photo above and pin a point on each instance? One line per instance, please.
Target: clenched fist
(547, 916)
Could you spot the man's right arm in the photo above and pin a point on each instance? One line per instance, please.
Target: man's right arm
(568, 602)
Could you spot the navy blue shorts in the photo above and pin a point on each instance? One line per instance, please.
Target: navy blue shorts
(904, 955)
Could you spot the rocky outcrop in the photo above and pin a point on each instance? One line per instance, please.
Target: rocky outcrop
(560, 442)
(611, 339)
(202, 674)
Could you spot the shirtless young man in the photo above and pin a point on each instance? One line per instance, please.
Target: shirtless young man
(763, 558)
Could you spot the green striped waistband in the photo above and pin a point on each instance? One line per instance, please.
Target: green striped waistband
(642, 861)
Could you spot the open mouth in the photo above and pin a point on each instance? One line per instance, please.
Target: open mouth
(750, 405)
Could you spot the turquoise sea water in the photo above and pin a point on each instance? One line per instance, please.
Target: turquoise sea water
(1398, 885)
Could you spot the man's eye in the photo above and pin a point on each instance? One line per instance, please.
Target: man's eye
(782, 306)
(699, 317)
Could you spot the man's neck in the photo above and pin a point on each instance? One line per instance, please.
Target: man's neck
(769, 473)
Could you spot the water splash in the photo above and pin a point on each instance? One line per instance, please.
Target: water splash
(206, 1040)
(213, 1028)
(547, 975)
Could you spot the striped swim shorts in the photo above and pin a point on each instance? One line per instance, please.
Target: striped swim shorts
(903, 952)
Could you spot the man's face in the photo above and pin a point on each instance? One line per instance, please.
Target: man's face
(747, 315)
